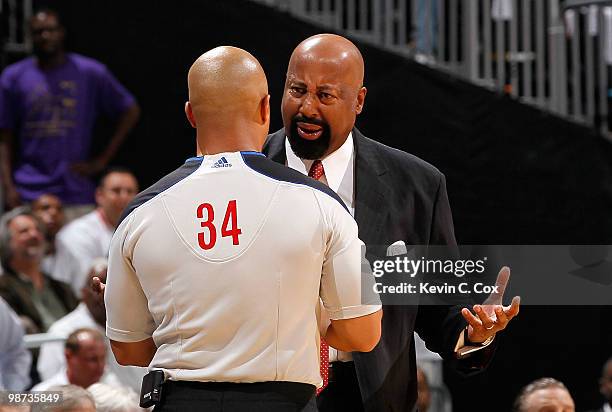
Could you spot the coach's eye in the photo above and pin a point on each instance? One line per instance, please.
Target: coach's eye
(326, 97)
(298, 91)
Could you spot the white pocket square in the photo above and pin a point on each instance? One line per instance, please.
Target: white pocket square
(397, 248)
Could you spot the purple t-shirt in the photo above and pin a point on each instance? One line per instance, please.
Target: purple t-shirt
(52, 113)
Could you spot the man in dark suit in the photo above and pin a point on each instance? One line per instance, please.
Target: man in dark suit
(395, 198)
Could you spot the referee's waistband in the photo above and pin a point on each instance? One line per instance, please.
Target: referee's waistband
(295, 391)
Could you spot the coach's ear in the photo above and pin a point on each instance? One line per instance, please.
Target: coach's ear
(189, 114)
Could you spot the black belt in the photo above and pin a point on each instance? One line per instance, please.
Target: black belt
(295, 391)
(342, 371)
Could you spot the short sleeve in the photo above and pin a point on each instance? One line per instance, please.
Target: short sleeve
(345, 272)
(127, 314)
(113, 98)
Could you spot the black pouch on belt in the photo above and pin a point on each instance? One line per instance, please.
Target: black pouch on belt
(151, 390)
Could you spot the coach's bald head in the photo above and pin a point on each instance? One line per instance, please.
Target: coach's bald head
(228, 102)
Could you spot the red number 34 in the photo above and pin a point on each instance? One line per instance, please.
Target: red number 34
(230, 213)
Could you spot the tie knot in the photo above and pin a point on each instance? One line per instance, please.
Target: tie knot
(316, 170)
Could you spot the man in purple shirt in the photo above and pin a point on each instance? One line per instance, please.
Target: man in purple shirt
(49, 102)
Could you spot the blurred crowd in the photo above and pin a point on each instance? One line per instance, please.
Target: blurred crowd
(55, 236)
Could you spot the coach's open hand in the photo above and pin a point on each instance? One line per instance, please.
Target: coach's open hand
(492, 316)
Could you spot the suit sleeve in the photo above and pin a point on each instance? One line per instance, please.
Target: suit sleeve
(127, 313)
(441, 323)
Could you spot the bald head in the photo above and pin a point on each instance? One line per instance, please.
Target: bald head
(226, 79)
(323, 95)
(228, 92)
(333, 51)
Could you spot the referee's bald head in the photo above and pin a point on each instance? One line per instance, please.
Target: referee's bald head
(228, 95)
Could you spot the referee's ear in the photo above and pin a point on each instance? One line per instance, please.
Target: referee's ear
(264, 111)
(189, 114)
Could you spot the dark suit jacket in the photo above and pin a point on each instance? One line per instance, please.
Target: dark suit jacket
(20, 300)
(398, 197)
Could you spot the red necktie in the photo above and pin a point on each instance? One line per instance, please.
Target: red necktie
(316, 171)
(324, 364)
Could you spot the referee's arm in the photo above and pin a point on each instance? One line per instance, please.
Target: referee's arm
(134, 353)
(129, 324)
(355, 316)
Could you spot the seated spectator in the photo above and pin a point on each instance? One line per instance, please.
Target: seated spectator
(89, 236)
(49, 210)
(114, 399)
(545, 394)
(605, 387)
(38, 299)
(15, 360)
(85, 353)
(74, 399)
(89, 314)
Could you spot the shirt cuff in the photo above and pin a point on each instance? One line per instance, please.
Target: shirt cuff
(462, 350)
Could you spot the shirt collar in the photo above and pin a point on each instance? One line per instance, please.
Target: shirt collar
(335, 164)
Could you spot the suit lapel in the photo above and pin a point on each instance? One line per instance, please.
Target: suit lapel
(371, 193)
(274, 148)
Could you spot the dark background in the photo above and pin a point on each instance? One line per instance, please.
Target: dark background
(515, 174)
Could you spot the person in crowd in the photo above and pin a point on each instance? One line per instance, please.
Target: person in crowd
(424, 397)
(544, 394)
(49, 210)
(74, 399)
(85, 352)
(15, 359)
(605, 387)
(114, 399)
(89, 314)
(38, 299)
(48, 104)
(88, 237)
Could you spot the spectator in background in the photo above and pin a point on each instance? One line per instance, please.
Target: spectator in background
(90, 313)
(38, 299)
(15, 360)
(605, 387)
(49, 103)
(545, 394)
(89, 236)
(85, 353)
(424, 399)
(74, 399)
(49, 210)
(114, 399)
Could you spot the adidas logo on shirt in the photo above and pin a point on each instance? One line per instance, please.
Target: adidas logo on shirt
(221, 163)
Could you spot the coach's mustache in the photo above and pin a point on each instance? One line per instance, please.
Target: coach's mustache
(302, 119)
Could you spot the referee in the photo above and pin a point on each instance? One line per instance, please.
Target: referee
(216, 271)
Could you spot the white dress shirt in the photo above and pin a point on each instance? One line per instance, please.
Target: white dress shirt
(15, 359)
(61, 378)
(339, 168)
(78, 244)
(52, 357)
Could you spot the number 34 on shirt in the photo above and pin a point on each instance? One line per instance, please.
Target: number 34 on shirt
(229, 228)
